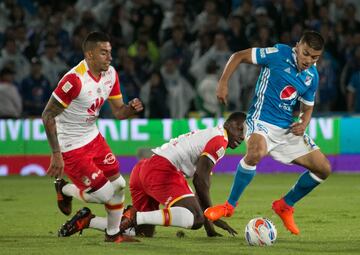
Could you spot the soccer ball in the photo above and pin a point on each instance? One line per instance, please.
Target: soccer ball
(260, 232)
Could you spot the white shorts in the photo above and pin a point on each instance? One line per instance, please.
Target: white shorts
(282, 145)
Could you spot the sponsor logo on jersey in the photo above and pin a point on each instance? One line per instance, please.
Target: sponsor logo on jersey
(288, 93)
(96, 106)
(109, 159)
(66, 87)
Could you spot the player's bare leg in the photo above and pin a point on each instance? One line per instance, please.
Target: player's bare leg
(319, 169)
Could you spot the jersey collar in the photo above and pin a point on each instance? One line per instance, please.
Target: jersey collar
(90, 74)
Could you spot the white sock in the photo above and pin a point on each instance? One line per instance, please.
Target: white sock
(115, 207)
(99, 223)
(173, 216)
(73, 191)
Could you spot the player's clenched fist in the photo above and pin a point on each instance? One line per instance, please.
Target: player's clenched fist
(136, 104)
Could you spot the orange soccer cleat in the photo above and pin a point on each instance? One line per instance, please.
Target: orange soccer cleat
(216, 212)
(286, 213)
(119, 238)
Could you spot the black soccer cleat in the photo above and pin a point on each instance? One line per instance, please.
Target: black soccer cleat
(77, 223)
(63, 201)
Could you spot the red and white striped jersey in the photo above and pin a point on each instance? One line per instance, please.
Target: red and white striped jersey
(82, 95)
(184, 151)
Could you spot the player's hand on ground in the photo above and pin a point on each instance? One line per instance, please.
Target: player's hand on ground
(222, 92)
(298, 128)
(56, 168)
(222, 224)
(210, 229)
(213, 233)
(136, 104)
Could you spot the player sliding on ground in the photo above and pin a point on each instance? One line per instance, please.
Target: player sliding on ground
(160, 179)
(288, 75)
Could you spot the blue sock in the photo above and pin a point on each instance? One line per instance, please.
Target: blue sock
(306, 183)
(244, 175)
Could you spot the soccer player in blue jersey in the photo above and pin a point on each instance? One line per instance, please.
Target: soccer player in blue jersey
(288, 75)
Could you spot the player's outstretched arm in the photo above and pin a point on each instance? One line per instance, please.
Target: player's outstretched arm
(243, 56)
(53, 109)
(123, 111)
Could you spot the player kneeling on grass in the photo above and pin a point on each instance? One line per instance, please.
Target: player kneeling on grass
(160, 179)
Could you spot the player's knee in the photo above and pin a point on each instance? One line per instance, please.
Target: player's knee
(198, 220)
(253, 157)
(119, 183)
(326, 169)
(105, 193)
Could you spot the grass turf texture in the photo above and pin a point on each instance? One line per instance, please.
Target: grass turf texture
(328, 218)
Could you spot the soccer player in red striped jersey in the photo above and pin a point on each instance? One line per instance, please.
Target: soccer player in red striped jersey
(78, 148)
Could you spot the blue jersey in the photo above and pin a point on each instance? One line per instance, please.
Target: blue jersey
(280, 85)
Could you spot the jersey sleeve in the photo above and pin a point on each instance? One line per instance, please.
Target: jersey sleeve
(115, 92)
(308, 97)
(263, 56)
(68, 89)
(215, 148)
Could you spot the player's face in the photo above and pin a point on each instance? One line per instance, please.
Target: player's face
(101, 56)
(306, 56)
(235, 134)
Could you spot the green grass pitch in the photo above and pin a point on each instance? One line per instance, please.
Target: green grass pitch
(328, 218)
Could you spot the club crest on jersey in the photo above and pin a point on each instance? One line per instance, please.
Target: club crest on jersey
(308, 80)
(109, 159)
(66, 87)
(288, 93)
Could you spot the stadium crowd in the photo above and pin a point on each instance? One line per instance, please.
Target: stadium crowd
(170, 53)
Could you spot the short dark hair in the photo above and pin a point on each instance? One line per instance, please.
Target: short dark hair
(313, 39)
(236, 116)
(92, 38)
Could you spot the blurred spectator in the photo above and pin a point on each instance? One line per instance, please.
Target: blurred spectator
(350, 24)
(52, 64)
(262, 20)
(129, 82)
(209, 18)
(220, 53)
(11, 105)
(235, 35)
(154, 95)
(11, 54)
(178, 49)
(353, 95)
(35, 90)
(169, 20)
(326, 95)
(143, 64)
(180, 92)
(209, 105)
(143, 36)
